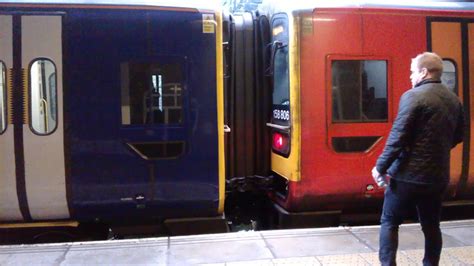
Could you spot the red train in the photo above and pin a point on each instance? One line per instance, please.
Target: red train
(338, 75)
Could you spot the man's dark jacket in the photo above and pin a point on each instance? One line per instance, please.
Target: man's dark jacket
(429, 123)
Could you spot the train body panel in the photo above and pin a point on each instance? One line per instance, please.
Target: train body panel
(140, 111)
(354, 66)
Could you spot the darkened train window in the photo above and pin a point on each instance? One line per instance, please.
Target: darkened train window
(43, 102)
(353, 144)
(359, 91)
(151, 93)
(449, 75)
(3, 97)
(281, 91)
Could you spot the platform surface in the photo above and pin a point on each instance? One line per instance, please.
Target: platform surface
(321, 246)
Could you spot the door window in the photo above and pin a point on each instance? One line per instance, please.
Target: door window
(43, 102)
(152, 94)
(449, 75)
(359, 91)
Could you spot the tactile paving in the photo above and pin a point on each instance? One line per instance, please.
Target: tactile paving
(350, 259)
(461, 255)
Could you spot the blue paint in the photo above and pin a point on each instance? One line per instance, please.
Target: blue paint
(104, 172)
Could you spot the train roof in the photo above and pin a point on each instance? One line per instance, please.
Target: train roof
(403, 4)
(192, 4)
(295, 5)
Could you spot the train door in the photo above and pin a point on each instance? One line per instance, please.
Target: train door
(32, 144)
(351, 81)
(469, 80)
(9, 203)
(452, 39)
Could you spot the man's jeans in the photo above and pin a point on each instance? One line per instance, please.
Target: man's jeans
(400, 198)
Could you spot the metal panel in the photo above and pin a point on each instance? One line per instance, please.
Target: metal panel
(44, 155)
(9, 206)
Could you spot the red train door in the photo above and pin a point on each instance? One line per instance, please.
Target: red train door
(353, 57)
(452, 39)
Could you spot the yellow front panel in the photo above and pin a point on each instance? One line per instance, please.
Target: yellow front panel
(220, 110)
(290, 167)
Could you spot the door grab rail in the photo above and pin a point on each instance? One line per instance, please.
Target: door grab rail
(278, 126)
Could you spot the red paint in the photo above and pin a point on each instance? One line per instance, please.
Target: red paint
(331, 180)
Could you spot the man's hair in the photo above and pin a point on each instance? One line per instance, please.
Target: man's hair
(432, 62)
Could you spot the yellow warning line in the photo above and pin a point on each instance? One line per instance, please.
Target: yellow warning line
(39, 224)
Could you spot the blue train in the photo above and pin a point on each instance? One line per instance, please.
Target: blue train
(110, 112)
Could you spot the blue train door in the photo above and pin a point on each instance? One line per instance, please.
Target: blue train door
(32, 149)
(141, 112)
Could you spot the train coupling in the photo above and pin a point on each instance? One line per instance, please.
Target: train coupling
(250, 183)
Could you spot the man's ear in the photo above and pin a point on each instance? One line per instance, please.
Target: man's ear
(424, 73)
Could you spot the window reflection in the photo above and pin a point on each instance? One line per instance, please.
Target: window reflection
(151, 93)
(3, 98)
(449, 75)
(43, 103)
(359, 91)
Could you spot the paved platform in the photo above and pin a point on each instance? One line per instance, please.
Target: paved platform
(322, 246)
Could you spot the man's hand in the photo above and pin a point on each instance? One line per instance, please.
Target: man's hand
(375, 173)
(378, 178)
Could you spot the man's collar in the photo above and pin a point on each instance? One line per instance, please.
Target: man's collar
(427, 81)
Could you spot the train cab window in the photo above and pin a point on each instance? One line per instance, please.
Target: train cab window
(359, 91)
(281, 115)
(3, 97)
(43, 102)
(449, 75)
(281, 90)
(151, 94)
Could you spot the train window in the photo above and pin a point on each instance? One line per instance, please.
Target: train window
(151, 93)
(281, 84)
(359, 91)
(43, 102)
(3, 97)
(449, 75)
(281, 94)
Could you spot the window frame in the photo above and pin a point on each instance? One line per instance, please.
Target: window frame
(30, 109)
(5, 97)
(357, 128)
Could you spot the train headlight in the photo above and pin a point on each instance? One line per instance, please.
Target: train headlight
(281, 143)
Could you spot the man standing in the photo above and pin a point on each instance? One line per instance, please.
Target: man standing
(429, 123)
